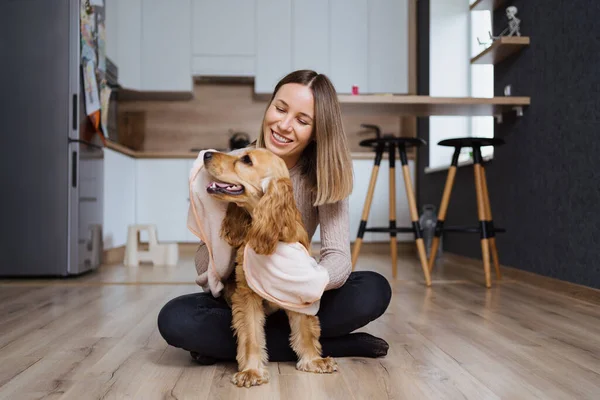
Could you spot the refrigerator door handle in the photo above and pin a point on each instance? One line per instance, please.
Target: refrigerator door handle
(74, 169)
(75, 111)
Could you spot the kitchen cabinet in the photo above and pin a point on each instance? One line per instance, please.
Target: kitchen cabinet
(150, 42)
(273, 43)
(354, 42)
(123, 20)
(388, 46)
(165, 46)
(349, 44)
(310, 33)
(162, 197)
(119, 197)
(379, 213)
(223, 37)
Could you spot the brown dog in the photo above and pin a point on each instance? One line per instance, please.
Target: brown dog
(262, 212)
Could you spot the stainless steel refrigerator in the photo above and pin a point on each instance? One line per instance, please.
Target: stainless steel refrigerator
(51, 178)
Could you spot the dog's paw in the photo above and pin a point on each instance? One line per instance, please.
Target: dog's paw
(318, 365)
(250, 377)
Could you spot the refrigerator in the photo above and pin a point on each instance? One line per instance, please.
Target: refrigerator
(51, 161)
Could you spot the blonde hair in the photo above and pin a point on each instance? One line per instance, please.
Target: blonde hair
(326, 160)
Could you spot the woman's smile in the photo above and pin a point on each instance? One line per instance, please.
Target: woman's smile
(279, 139)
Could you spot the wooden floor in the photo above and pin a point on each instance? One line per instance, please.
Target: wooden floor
(95, 337)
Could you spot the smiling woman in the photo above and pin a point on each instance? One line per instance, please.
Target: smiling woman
(302, 125)
(303, 112)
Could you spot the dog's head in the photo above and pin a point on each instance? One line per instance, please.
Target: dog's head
(243, 178)
(262, 209)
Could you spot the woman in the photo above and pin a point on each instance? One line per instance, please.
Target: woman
(302, 125)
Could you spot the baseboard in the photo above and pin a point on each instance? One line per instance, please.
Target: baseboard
(566, 288)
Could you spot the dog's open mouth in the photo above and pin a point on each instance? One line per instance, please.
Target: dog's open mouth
(225, 188)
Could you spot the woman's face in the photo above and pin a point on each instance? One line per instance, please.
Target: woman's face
(289, 122)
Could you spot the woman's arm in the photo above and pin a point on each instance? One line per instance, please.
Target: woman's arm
(335, 242)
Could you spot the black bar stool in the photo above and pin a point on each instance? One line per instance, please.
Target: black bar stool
(389, 143)
(486, 227)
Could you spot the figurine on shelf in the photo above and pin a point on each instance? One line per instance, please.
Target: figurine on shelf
(514, 24)
(484, 44)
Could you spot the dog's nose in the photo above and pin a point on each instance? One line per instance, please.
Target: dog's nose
(207, 156)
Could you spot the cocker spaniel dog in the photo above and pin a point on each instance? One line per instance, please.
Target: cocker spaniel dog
(261, 212)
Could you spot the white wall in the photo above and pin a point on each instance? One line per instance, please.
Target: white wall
(119, 197)
(449, 71)
(482, 75)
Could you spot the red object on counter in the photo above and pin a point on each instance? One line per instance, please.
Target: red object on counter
(354, 89)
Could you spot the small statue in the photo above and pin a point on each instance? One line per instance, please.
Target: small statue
(514, 24)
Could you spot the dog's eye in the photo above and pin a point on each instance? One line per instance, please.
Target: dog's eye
(246, 160)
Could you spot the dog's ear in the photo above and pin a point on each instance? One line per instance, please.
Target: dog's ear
(235, 225)
(275, 216)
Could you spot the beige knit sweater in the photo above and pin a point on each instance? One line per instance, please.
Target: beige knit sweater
(335, 234)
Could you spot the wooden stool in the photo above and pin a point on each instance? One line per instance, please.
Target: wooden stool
(157, 253)
(486, 227)
(390, 143)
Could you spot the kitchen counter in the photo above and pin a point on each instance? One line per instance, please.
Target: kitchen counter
(192, 155)
(149, 154)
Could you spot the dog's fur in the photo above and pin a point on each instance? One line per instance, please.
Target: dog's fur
(262, 215)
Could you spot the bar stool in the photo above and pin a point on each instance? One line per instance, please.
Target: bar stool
(389, 143)
(486, 227)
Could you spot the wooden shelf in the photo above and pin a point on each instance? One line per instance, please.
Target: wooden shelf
(501, 49)
(487, 4)
(425, 106)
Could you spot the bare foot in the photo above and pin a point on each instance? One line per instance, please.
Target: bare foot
(251, 377)
(318, 365)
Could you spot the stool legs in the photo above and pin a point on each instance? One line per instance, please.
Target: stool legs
(393, 237)
(366, 208)
(481, 213)
(435, 243)
(414, 215)
(488, 217)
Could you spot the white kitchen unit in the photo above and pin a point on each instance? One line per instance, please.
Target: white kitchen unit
(123, 21)
(273, 43)
(162, 197)
(119, 197)
(166, 43)
(387, 69)
(310, 35)
(354, 42)
(379, 213)
(349, 44)
(223, 37)
(150, 42)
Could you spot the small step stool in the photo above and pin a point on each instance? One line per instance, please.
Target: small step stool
(157, 253)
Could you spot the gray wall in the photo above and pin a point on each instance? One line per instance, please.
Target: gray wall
(544, 183)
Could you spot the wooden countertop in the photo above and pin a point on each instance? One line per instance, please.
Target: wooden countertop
(425, 106)
(149, 154)
(192, 155)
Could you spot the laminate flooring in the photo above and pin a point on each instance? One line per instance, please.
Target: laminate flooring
(95, 337)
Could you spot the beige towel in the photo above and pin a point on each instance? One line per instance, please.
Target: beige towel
(290, 277)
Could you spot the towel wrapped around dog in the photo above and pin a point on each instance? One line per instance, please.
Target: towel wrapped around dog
(290, 277)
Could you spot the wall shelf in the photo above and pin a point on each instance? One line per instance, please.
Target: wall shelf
(501, 49)
(425, 106)
(487, 4)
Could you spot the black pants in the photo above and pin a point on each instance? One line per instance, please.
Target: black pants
(198, 322)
